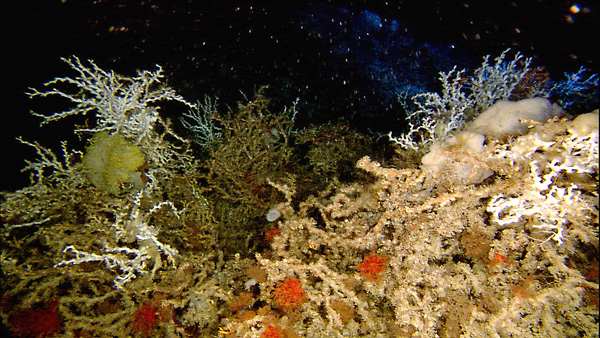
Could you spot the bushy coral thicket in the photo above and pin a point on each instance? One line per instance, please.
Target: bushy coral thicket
(499, 239)
(453, 268)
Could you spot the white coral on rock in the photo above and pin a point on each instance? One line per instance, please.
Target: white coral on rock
(547, 201)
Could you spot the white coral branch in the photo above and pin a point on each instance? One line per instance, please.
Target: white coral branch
(122, 104)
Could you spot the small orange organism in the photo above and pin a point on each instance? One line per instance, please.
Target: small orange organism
(289, 295)
(498, 258)
(372, 266)
(271, 332)
(525, 289)
(272, 233)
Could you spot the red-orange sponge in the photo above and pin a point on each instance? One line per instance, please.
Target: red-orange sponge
(372, 266)
(288, 294)
(272, 332)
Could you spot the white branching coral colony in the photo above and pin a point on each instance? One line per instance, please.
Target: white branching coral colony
(491, 236)
(123, 106)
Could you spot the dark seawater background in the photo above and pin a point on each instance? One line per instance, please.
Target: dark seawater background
(343, 59)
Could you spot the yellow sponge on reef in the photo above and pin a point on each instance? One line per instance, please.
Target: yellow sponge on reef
(111, 163)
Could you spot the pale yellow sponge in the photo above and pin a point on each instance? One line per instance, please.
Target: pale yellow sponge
(111, 163)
